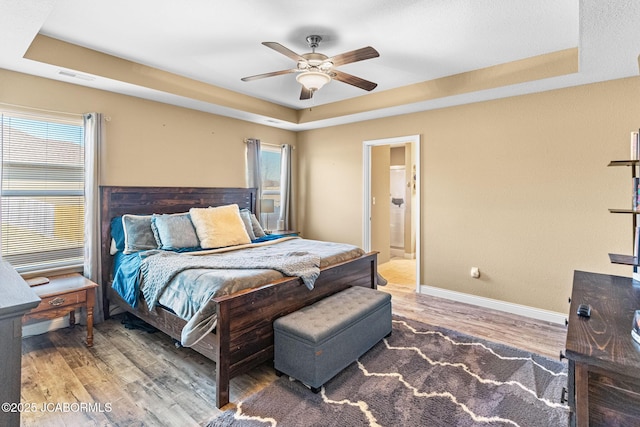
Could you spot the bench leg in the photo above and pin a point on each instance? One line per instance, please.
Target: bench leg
(316, 390)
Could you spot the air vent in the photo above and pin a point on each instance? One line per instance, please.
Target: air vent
(76, 75)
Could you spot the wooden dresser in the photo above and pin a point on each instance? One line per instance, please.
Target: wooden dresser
(604, 361)
(16, 298)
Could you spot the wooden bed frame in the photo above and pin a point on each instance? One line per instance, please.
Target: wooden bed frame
(243, 338)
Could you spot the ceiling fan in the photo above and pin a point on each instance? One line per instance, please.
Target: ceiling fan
(316, 69)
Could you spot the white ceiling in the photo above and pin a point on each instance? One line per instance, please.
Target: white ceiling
(418, 40)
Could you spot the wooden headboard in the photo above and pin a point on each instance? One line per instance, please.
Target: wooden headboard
(116, 201)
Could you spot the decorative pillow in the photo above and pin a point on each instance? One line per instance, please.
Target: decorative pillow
(218, 227)
(257, 228)
(246, 219)
(174, 231)
(138, 235)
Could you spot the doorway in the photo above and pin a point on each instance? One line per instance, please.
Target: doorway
(400, 208)
(378, 208)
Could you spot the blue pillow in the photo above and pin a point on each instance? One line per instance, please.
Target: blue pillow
(138, 235)
(255, 225)
(117, 232)
(174, 231)
(246, 219)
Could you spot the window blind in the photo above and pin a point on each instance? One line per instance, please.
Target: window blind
(42, 192)
(270, 159)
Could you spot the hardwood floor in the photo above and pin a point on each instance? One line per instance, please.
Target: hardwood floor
(134, 378)
(528, 334)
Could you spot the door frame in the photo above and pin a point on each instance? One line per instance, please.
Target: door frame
(414, 140)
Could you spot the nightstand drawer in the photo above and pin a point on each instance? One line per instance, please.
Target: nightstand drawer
(59, 301)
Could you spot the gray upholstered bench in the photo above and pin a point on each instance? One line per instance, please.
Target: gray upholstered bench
(316, 342)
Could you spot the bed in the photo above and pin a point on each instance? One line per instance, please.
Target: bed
(243, 335)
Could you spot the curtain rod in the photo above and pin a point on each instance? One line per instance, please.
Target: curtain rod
(270, 145)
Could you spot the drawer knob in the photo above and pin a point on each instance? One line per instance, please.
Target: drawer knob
(56, 301)
(562, 356)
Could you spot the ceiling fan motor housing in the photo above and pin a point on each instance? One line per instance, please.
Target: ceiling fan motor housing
(314, 41)
(315, 61)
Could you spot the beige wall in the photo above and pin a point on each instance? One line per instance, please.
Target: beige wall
(397, 156)
(517, 187)
(149, 143)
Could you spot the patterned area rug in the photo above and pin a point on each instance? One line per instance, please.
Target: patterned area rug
(419, 376)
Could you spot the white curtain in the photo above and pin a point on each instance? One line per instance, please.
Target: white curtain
(284, 222)
(254, 177)
(93, 139)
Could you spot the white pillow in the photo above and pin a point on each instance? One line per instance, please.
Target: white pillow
(218, 227)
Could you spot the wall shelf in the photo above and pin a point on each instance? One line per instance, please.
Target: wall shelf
(623, 259)
(628, 259)
(624, 211)
(623, 162)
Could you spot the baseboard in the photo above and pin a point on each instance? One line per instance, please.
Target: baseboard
(396, 252)
(116, 309)
(522, 310)
(400, 253)
(45, 326)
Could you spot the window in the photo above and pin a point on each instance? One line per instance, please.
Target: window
(270, 157)
(42, 192)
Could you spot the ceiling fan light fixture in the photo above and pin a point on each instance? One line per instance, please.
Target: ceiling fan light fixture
(326, 66)
(313, 80)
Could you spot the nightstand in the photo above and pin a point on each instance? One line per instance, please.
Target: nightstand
(61, 296)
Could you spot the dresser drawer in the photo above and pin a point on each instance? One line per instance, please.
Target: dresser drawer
(60, 301)
(613, 400)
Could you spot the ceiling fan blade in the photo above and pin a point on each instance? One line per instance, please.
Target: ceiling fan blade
(353, 80)
(262, 76)
(285, 51)
(306, 93)
(354, 56)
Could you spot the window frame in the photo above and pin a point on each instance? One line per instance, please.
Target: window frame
(33, 183)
